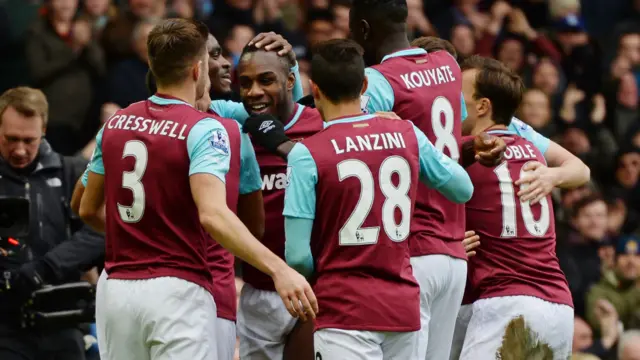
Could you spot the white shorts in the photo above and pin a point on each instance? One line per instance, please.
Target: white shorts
(341, 344)
(442, 279)
(462, 323)
(159, 318)
(263, 324)
(226, 338)
(552, 323)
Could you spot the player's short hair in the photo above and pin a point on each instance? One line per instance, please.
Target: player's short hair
(26, 101)
(252, 49)
(434, 43)
(173, 46)
(499, 84)
(337, 68)
(385, 15)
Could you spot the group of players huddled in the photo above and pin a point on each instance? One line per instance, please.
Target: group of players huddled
(405, 193)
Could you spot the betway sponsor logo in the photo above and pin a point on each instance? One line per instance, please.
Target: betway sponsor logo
(274, 181)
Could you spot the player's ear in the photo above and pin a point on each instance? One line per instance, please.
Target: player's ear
(315, 91)
(196, 70)
(483, 107)
(365, 84)
(291, 81)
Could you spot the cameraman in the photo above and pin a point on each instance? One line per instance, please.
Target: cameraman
(59, 248)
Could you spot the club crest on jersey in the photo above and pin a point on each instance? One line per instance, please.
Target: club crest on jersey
(220, 142)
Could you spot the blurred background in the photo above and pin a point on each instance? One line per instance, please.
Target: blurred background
(579, 59)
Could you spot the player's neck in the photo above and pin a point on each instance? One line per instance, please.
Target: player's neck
(345, 109)
(183, 93)
(290, 108)
(483, 125)
(392, 43)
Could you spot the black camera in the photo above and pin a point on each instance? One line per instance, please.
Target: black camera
(14, 217)
(61, 306)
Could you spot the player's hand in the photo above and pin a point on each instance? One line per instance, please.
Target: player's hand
(265, 130)
(470, 242)
(489, 149)
(536, 183)
(296, 293)
(388, 115)
(274, 42)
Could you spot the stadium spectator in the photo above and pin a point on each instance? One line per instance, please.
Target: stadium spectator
(618, 286)
(64, 62)
(126, 80)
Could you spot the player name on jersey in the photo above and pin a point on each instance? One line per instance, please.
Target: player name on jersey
(519, 152)
(370, 142)
(428, 77)
(168, 128)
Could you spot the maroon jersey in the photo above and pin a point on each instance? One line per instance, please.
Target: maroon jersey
(220, 259)
(517, 256)
(152, 225)
(365, 194)
(427, 90)
(273, 169)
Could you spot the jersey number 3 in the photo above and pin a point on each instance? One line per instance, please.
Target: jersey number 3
(352, 233)
(131, 181)
(534, 227)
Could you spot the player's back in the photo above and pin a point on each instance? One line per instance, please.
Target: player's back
(427, 89)
(367, 168)
(152, 223)
(273, 169)
(517, 255)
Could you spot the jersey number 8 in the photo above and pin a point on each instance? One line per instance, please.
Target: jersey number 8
(444, 132)
(352, 233)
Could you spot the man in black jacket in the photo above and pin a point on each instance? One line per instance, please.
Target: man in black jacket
(58, 248)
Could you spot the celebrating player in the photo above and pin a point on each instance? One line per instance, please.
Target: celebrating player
(516, 272)
(348, 210)
(156, 234)
(425, 88)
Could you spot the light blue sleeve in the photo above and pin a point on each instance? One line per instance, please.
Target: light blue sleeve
(297, 246)
(85, 177)
(527, 132)
(229, 109)
(439, 172)
(379, 94)
(250, 180)
(463, 108)
(96, 165)
(298, 91)
(208, 148)
(302, 177)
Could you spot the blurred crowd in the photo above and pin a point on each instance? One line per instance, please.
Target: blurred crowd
(579, 59)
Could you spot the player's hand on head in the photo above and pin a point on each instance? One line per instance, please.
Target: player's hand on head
(388, 115)
(265, 130)
(470, 242)
(489, 149)
(296, 294)
(271, 41)
(538, 181)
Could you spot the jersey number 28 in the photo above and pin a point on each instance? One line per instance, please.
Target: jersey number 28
(352, 233)
(131, 181)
